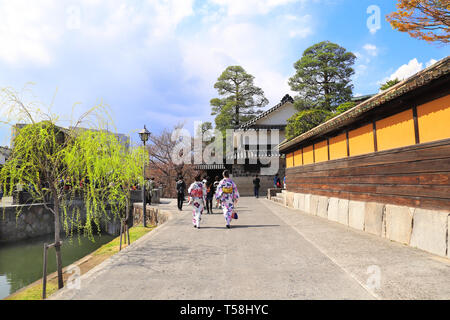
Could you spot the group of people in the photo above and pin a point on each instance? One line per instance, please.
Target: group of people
(276, 184)
(202, 192)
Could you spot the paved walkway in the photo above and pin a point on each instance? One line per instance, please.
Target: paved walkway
(270, 253)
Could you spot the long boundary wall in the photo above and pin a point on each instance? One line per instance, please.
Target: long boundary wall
(417, 227)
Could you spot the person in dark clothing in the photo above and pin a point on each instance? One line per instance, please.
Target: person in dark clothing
(256, 186)
(210, 191)
(277, 181)
(181, 188)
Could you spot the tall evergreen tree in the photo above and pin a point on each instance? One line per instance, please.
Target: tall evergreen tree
(322, 77)
(323, 81)
(240, 98)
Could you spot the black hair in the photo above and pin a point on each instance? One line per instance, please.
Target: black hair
(198, 177)
(217, 178)
(226, 174)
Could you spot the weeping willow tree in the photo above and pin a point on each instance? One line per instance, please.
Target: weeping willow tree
(47, 159)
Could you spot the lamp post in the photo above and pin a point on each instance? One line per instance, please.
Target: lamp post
(144, 134)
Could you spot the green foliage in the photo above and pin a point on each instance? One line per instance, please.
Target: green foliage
(323, 81)
(304, 121)
(240, 98)
(103, 171)
(389, 83)
(323, 77)
(341, 109)
(94, 163)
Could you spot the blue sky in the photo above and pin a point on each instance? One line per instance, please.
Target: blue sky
(155, 62)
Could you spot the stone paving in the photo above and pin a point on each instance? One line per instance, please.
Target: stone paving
(271, 252)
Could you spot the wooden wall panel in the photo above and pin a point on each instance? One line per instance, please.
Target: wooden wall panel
(338, 147)
(298, 159)
(396, 131)
(361, 140)
(417, 176)
(434, 118)
(321, 151)
(308, 155)
(290, 160)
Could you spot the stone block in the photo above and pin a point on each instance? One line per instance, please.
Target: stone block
(429, 231)
(313, 205)
(373, 219)
(322, 207)
(301, 201)
(333, 209)
(343, 211)
(356, 214)
(307, 203)
(289, 199)
(399, 223)
(297, 200)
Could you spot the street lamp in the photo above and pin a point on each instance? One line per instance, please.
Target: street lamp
(144, 134)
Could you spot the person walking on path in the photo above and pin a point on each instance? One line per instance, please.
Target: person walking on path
(256, 186)
(210, 191)
(197, 194)
(216, 185)
(228, 194)
(277, 182)
(181, 188)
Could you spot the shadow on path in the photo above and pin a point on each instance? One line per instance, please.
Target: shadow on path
(243, 226)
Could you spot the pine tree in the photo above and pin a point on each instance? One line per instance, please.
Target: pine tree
(240, 98)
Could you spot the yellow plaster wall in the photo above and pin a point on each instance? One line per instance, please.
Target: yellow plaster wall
(434, 120)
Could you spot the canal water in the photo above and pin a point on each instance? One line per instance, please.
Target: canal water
(21, 262)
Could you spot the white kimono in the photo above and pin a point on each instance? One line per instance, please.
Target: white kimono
(197, 194)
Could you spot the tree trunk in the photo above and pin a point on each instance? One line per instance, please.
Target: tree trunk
(57, 241)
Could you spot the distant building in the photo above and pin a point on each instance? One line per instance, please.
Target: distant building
(122, 138)
(360, 99)
(15, 131)
(5, 152)
(251, 155)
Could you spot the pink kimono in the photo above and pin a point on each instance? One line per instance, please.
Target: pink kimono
(197, 193)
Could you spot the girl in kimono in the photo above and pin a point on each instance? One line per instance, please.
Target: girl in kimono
(227, 193)
(197, 194)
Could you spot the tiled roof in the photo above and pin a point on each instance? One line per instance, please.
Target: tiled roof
(286, 98)
(419, 79)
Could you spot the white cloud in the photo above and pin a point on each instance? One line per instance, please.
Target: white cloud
(371, 49)
(31, 31)
(28, 30)
(259, 49)
(430, 63)
(138, 48)
(251, 7)
(407, 70)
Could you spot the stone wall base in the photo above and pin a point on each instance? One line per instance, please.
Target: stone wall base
(420, 228)
(154, 216)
